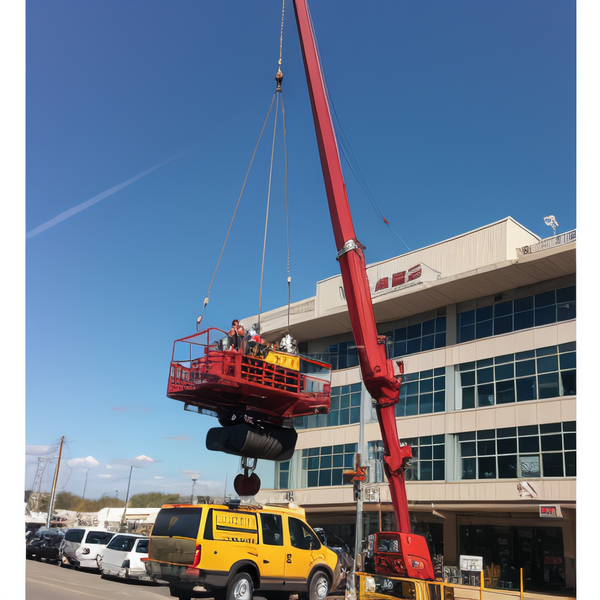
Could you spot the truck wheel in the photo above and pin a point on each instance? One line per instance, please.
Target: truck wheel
(318, 588)
(240, 587)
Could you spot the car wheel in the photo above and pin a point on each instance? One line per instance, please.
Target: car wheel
(318, 588)
(240, 587)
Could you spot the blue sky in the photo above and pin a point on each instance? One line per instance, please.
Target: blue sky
(142, 118)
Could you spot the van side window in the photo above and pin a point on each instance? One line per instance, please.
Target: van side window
(302, 536)
(74, 535)
(98, 537)
(272, 533)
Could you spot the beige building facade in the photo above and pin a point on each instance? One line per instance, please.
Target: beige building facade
(485, 325)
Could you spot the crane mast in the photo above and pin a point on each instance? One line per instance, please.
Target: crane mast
(376, 369)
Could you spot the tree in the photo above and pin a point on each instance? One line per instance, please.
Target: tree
(152, 500)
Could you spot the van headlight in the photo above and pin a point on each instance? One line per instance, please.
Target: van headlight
(370, 585)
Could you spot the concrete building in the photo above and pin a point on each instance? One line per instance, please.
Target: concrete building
(485, 324)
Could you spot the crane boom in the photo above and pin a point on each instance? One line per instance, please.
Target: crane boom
(377, 370)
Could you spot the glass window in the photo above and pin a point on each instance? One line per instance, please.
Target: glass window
(344, 409)
(302, 536)
(178, 522)
(416, 395)
(546, 373)
(514, 315)
(272, 532)
(428, 459)
(417, 337)
(544, 451)
(324, 466)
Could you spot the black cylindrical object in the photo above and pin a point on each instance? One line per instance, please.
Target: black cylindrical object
(270, 442)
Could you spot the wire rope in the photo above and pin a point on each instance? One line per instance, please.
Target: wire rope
(279, 78)
(264, 250)
(206, 299)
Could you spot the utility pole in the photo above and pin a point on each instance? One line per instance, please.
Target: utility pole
(122, 528)
(51, 507)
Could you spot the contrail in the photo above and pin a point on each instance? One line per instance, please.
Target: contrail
(101, 196)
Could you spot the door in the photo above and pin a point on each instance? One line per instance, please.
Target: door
(272, 553)
(301, 551)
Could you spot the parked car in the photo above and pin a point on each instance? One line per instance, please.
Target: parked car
(44, 544)
(82, 545)
(123, 555)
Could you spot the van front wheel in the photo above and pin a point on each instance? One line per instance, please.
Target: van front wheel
(318, 587)
(240, 587)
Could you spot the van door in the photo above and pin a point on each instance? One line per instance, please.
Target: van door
(272, 554)
(301, 552)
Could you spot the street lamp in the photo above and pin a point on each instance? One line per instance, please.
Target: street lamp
(193, 485)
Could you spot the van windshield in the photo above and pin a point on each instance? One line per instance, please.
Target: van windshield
(178, 522)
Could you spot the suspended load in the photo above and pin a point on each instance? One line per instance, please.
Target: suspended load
(252, 387)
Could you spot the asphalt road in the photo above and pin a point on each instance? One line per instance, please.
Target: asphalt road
(45, 581)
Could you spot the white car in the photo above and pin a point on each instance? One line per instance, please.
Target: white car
(123, 555)
(82, 546)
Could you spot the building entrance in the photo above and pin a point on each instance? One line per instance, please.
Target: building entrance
(539, 551)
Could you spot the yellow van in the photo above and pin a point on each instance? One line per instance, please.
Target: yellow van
(227, 551)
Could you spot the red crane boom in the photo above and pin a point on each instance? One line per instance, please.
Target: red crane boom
(411, 555)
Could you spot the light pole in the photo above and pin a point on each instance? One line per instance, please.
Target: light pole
(123, 527)
(193, 485)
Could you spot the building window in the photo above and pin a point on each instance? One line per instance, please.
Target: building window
(428, 458)
(422, 393)
(325, 466)
(344, 410)
(427, 462)
(532, 451)
(533, 375)
(513, 315)
(417, 338)
(375, 452)
(282, 475)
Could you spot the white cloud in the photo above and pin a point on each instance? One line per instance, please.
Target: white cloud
(40, 450)
(191, 474)
(86, 463)
(105, 475)
(144, 458)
